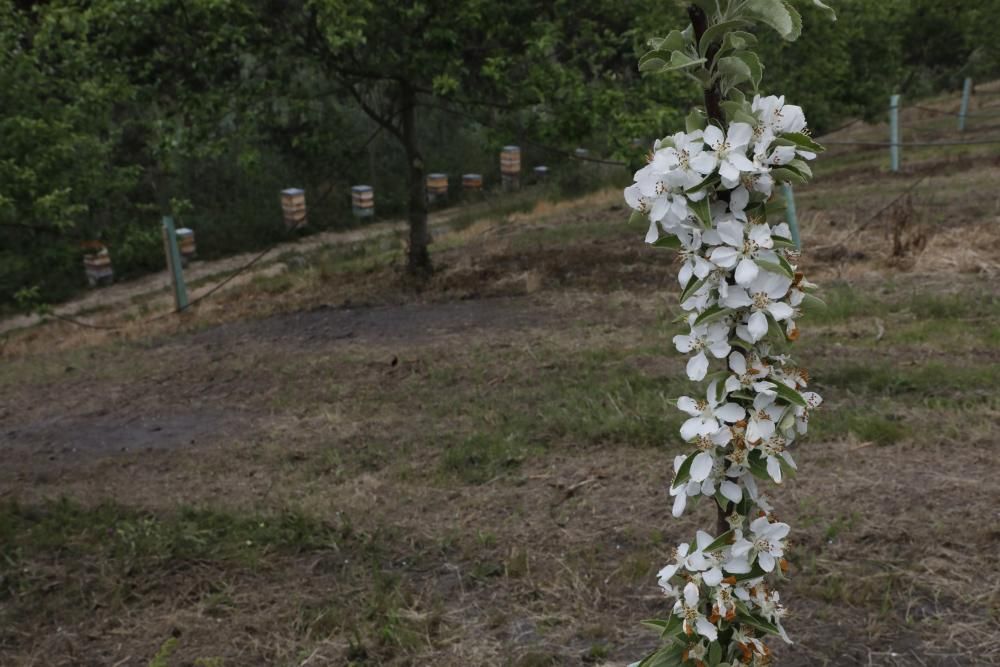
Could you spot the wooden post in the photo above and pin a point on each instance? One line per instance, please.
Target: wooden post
(966, 91)
(894, 132)
(174, 264)
(790, 216)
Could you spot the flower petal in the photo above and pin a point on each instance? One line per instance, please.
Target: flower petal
(697, 367)
(757, 325)
(701, 467)
(706, 629)
(731, 491)
(746, 271)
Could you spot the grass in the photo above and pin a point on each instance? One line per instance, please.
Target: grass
(464, 489)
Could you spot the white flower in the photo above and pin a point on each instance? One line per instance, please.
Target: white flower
(729, 152)
(693, 264)
(763, 418)
(707, 414)
(683, 163)
(711, 337)
(748, 376)
(766, 545)
(772, 448)
(762, 295)
(743, 243)
(772, 610)
(813, 401)
(665, 199)
(680, 560)
(777, 116)
(694, 620)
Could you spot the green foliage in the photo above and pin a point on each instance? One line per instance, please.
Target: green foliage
(111, 111)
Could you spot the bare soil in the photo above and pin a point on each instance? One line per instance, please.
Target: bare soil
(475, 472)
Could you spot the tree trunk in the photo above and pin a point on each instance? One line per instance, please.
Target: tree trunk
(713, 108)
(418, 259)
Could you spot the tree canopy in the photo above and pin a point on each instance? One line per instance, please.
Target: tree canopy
(113, 112)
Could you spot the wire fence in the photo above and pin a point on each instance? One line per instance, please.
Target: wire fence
(586, 158)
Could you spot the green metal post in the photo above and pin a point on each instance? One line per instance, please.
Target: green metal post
(894, 132)
(174, 264)
(966, 91)
(790, 216)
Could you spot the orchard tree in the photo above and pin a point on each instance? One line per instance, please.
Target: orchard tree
(57, 140)
(709, 193)
(552, 67)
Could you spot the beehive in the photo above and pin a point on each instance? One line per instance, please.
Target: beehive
(541, 172)
(510, 161)
(437, 187)
(97, 264)
(581, 152)
(185, 242)
(472, 182)
(293, 207)
(363, 201)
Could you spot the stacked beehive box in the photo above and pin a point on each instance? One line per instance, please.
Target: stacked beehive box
(510, 167)
(437, 187)
(472, 182)
(97, 264)
(293, 207)
(363, 201)
(185, 241)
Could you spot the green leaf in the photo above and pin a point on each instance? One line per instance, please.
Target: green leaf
(787, 268)
(668, 241)
(826, 9)
(684, 472)
(714, 654)
(813, 302)
(755, 621)
(717, 33)
(692, 286)
(774, 267)
(711, 314)
(782, 242)
(738, 40)
(775, 206)
(775, 14)
(754, 573)
(720, 542)
(784, 174)
(803, 141)
(744, 117)
(695, 120)
(703, 211)
(668, 656)
(754, 64)
(789, 395)
(707, 183)
(786, 468)
(674, 41)
(757, 465)
(734, 69)
(665, 627)
(657, 61)
(638, 217)
(801, 166)
(796, 22)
